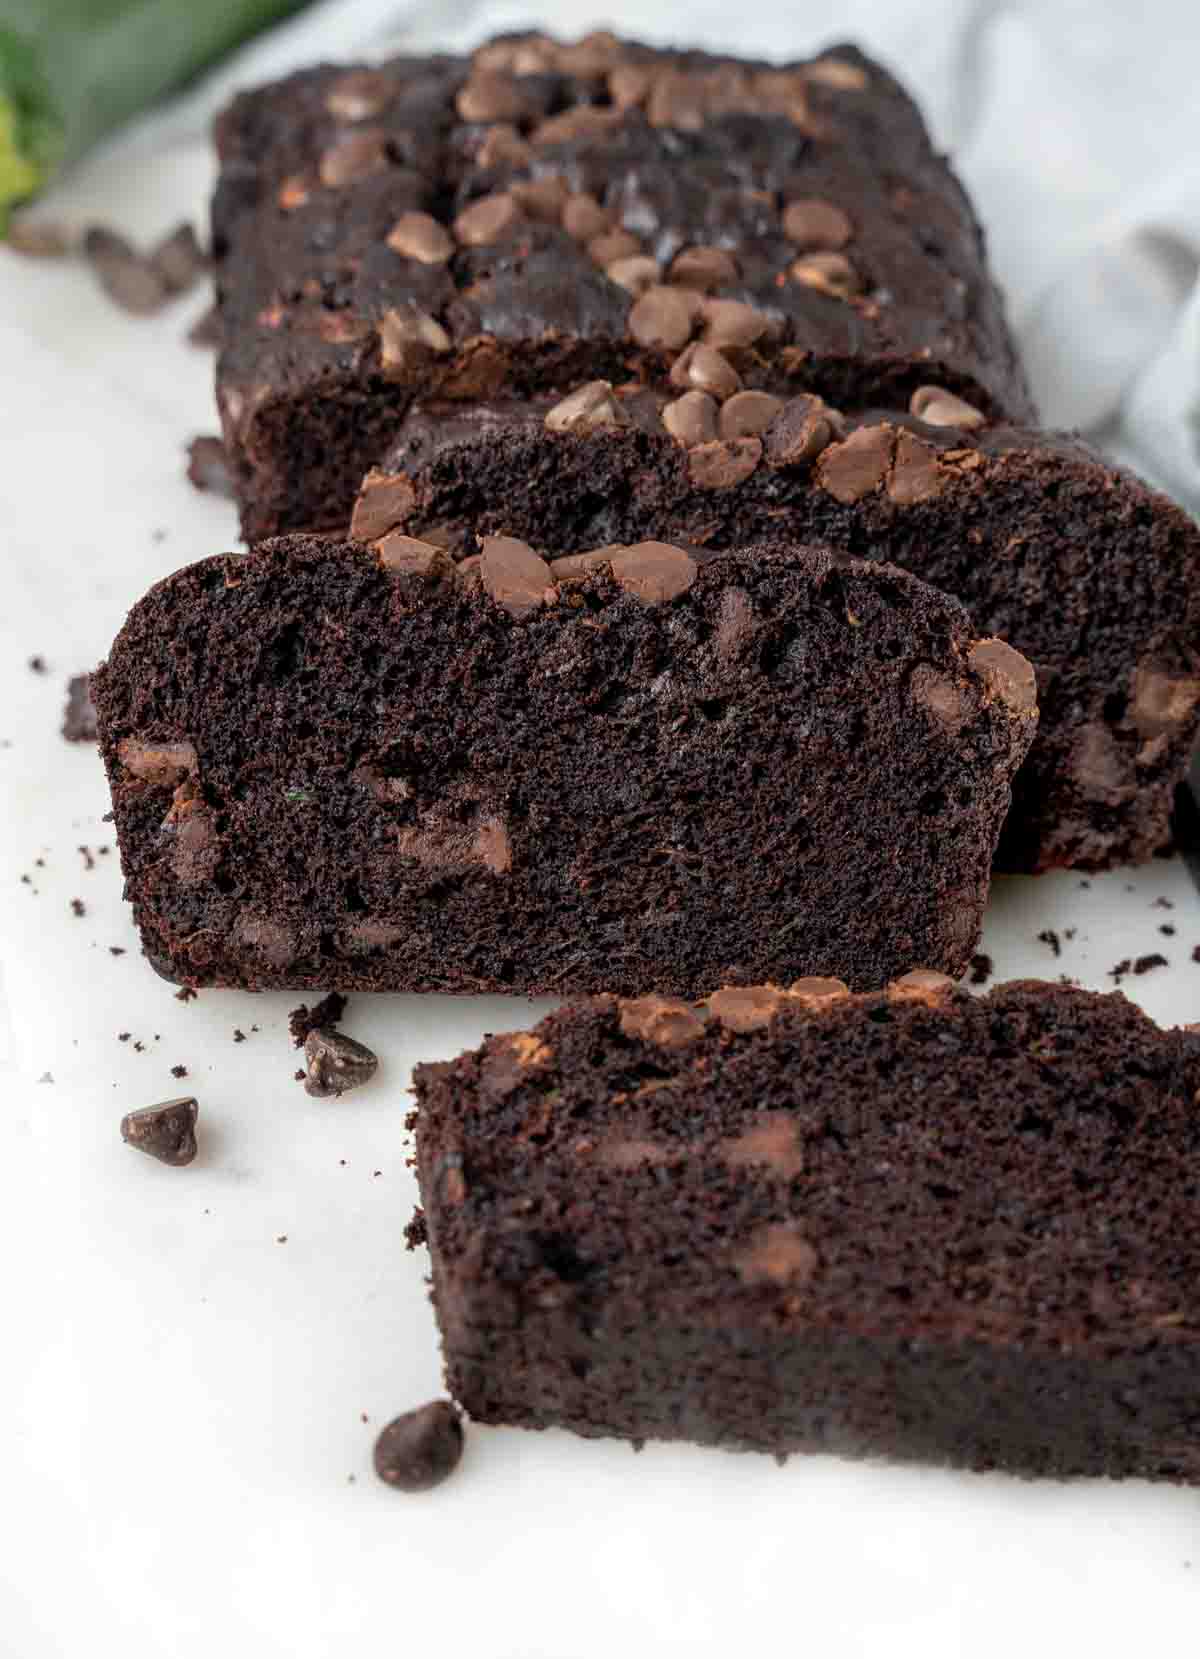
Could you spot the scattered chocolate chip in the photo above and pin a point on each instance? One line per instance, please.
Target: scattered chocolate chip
(206, 330)
(937, 407)
(586, 409)
(336, 1063)
(662, 319)
(1049, 937)
(653, 571)
(419, 236)
(41, 239)
(487, 220)
(127, 277)
(691, 419)
(239, 1036)
(208, 468)
(179, 1071)
(513, 575)
(354, 157)
(748, 414)
(418, 1450)
(981, 968)
(116, 950)
(814, 224)
(1144, 964)
(79, 716)
(724, 464)
(166, 1132)
(178, 260)
(324, 1015)
(704, 368)
(828, 273)
(1167, 928)
(78, 908)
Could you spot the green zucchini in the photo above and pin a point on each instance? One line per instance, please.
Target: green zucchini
(72, 70)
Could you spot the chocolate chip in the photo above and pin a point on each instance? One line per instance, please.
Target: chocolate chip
(770, 1143)
(917, 474)
(666, 1021)
(819, 991)
(732, 323)
(829, 273)
(335, 1063)
(358, 95)
(801, 430)
(706, 369)
(920, 985)
(487, 220)
(128, 279)
(166, 1132)
(815, 224)
(157, 762)
(747, 414)
(676, 99)
(384, 501)
(493, 96)
(1006, 674)
(662, 319)
(417, 1451)
(837, 73)
(582, 123)
(783, 92)
(585, 410)
(179, 260)
(513, 575)
(584, 219)
(407, 340)
(941, 408)
(542, 199)
(777, 1255)
(208, 467)
(503, 146)
(406, 556)
(721, 465)
(745, 1008)
(858, 465)
(574, 565)
(691, 419)
(635, 274)
(653, 571)
(943, 699)
(354, 157)
(419, 236)
(588, 57)
(612, 245)
(79, 717)
(703, 268)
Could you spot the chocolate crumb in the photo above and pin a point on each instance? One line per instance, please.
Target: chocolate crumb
(1121, 969)
(419, 1450)
(124, 1036)
(1049, 937)
(185, 993)
(128, 278)
(281, 1238)
(1162, 903)
(89, 863)
(327, 1013)
(179, 1071)
(416, 1232)
(299, 1076)
(37, 665)
(239, 1036)
(336, 1064)
(116, 950)
(79, 716)
(40, 862)
(178, 260)
(78, 908)
(46, 1077)
(981, 968)
(1069, 932)
(138, 1047)
(208, 468)
(1168, 928)
(1145, 964)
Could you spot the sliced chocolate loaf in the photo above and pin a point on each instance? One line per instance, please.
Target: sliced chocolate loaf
(543, 214)
(911, 1223)
(333, 764)
(1084, 569)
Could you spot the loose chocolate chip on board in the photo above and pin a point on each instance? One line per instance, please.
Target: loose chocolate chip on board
(815, 224)
(208, 468)
(335, 1063)
(417, 1451)
(127, 277)
(513, 575)
(166, 1132)
(419, 236)
(179, 260)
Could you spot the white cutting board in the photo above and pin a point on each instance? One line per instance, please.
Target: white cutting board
(186, 1470)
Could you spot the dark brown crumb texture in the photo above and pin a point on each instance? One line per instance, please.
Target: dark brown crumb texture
(666, 769)
(915, 1223)
(544, 214)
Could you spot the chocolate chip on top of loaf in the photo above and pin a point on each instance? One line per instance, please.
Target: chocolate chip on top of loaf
(543, 215)
(644, 767)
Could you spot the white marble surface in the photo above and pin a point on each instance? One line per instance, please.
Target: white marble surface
(182, 1392)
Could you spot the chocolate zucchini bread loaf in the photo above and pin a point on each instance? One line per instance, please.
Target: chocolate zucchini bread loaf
(334, 764)
(541, 215)
(1084, 569)
(911, 1223)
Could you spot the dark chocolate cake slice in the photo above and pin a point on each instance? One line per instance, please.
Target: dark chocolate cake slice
(660, 769)
(542, 214)
(1080, 566)
(912, 1223)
